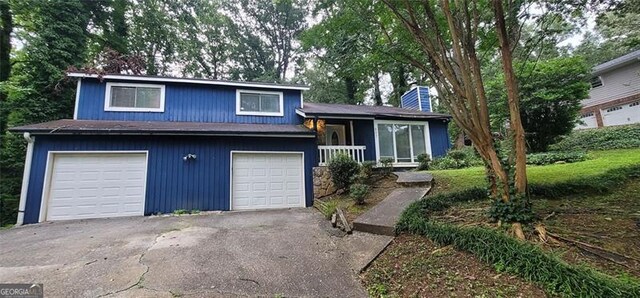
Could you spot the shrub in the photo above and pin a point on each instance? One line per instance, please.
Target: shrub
(614, 137)
(423, 162)
(366, 171)
(554, 157)
(509, 254)
(457, 159)
(386, 165)
(358, 192)
(343, 170)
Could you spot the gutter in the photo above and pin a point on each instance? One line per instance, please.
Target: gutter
(25, 178)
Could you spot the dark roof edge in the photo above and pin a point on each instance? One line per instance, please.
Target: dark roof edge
(126, 77)
(159, 132)
(373, 117)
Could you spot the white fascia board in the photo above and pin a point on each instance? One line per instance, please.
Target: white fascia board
(184, 80)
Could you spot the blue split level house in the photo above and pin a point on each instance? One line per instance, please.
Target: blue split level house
(141, 145)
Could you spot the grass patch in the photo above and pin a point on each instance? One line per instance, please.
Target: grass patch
(599, 162)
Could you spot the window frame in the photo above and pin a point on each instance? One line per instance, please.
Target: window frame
(427, 140)
(258, 113)
(107, 98)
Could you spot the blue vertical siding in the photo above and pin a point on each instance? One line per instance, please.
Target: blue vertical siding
(172, 184)
(364, 134)
(187, 103)
(417, 99)
(409, 100)
(425, 101)
(439, 137)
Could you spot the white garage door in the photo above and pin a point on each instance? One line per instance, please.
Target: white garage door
(620, 115)
(267, 180)
(95, 185)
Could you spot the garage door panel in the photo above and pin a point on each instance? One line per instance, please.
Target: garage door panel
(94, 185)
(267, 180)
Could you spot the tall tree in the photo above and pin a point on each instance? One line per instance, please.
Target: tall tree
(206, 50)
(550, 95)
(153, 35)
(6, 28)
(55, 37)
(449, 33)
(266, 32)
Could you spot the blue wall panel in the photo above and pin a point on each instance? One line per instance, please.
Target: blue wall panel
(364, 134)
(185, 102)
(172, 183)
(410, 99)
(439, 138)
(424, 99)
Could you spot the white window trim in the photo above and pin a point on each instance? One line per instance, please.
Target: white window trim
(254, 113)
(427, 140)
(107, 98)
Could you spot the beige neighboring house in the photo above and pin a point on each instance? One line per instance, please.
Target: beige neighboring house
(614, 98)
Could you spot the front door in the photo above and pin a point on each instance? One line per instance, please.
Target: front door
(335, 135)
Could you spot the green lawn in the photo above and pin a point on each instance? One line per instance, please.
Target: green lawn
(598, 163)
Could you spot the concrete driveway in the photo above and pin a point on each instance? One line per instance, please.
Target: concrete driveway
(270, 253)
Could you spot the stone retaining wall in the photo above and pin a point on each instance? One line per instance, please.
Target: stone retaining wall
(322, 185)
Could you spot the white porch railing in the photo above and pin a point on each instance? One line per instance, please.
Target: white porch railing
(328, 152)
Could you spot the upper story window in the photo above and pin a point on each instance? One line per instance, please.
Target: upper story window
(596, 82)
(259, 103)
(129, 97)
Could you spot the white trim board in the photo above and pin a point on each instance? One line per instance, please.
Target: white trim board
(107, 98)
(184, 80)
(26, 175)
(258, 113)
(49, 171)
(77, 106)
(304, 178)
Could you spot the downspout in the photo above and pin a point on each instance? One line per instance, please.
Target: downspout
(25, 178)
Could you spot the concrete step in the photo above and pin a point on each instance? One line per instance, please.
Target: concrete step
(414, 179)
(382, 218)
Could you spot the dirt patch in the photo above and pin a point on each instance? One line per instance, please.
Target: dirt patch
(380, 189)
(413, 266)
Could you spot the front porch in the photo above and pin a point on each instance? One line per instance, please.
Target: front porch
(375, 133)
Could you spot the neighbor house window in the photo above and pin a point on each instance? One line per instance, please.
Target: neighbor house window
(134, 97)
(260, 103)
(402, 142)
(596, 82)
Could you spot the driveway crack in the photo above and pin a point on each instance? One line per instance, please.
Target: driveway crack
(141, 278)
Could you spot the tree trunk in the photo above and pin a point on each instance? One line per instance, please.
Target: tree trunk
(351, 87)
(5, 54)
(377, 95)
(513, 100)
(459, 141)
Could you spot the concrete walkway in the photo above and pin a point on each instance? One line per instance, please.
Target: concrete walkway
(382, 218)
